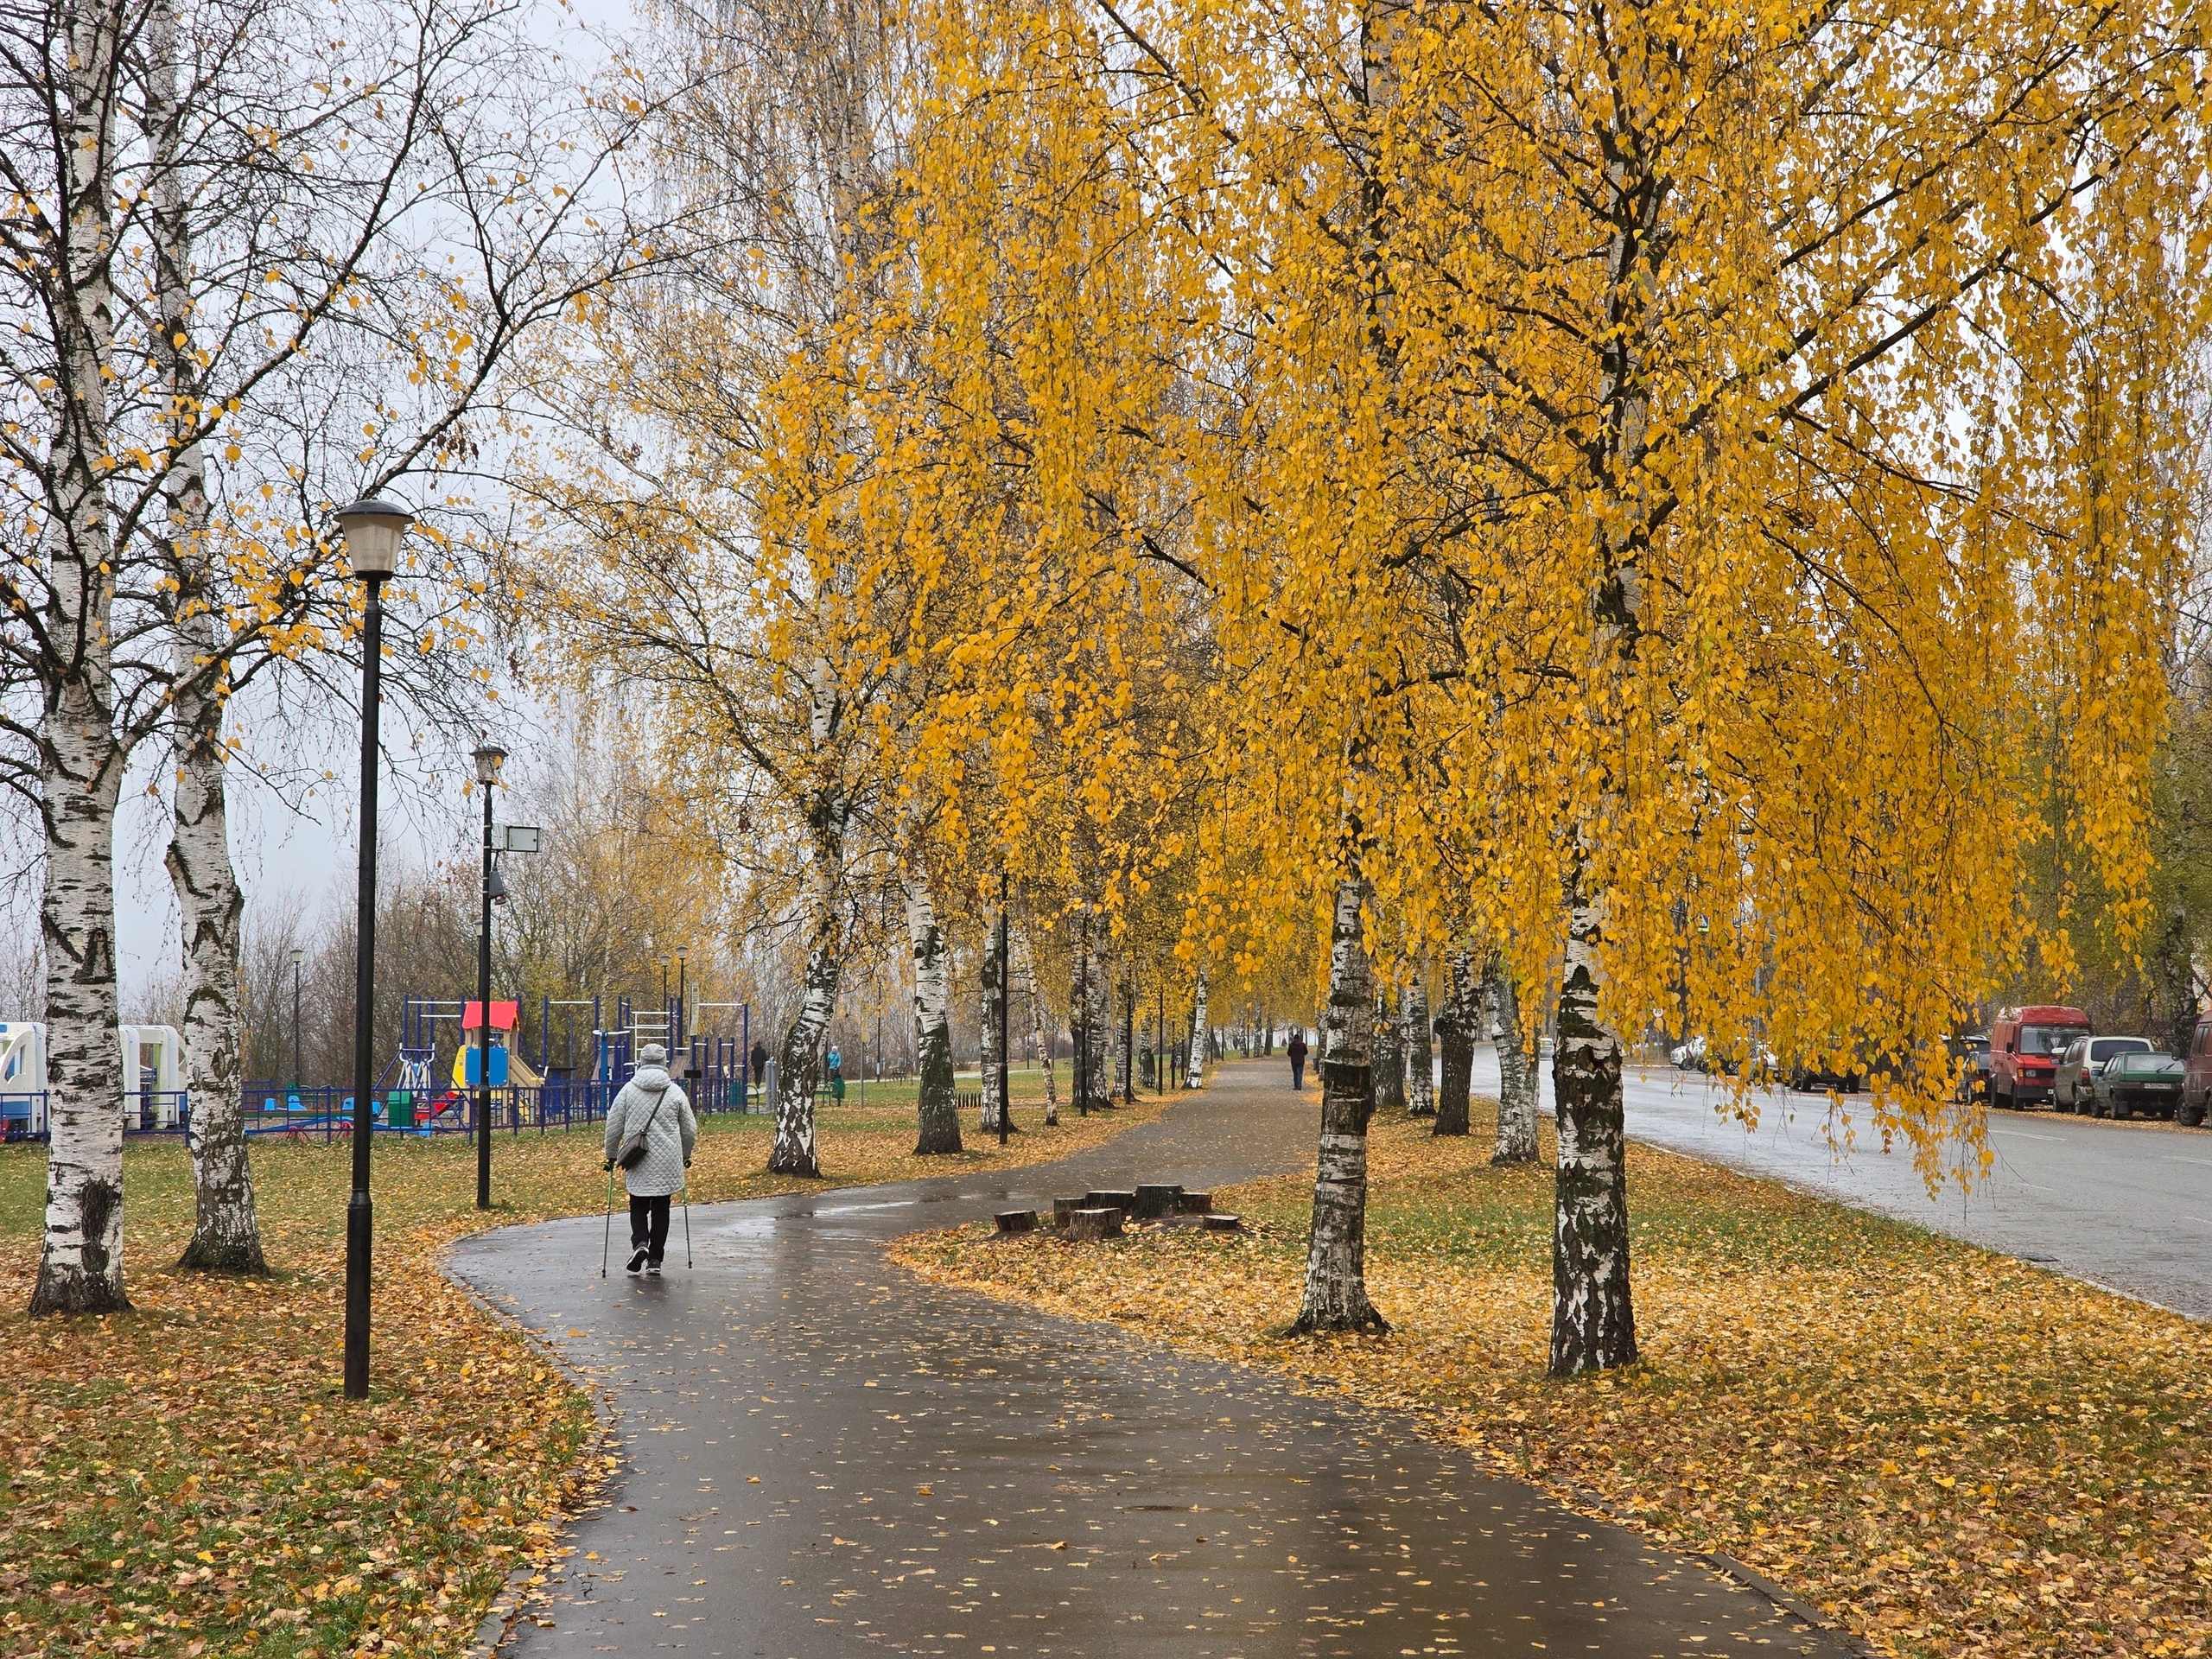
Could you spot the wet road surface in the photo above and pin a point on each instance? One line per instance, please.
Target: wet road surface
(825, 1455)
(2127, 1206)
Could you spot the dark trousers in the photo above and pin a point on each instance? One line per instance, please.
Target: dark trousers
(1297, 1072)
(649, 1225)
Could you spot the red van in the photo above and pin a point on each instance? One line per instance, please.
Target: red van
(2024, 1049)
(2196, 1081)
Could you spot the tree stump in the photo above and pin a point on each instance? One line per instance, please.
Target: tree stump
(1085, 1225)
(1196, 1203)
(1062, 1209)
(1124, 1202)
(1157, 1203)
(1224, 1223)
(1016, 1221)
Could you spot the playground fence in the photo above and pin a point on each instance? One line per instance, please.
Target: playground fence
(326, 1112)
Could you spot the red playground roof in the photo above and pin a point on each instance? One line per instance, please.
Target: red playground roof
(503, 1015)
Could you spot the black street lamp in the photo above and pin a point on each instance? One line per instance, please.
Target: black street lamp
(1082, 1032)
(489, 757)
(371, 530)
(1005, 999)
(297, 957)
(682, 1013)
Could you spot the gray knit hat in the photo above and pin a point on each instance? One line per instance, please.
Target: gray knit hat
(652, 1054)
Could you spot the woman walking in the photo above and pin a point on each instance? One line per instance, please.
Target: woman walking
(651, 1132)
(1296, 1049)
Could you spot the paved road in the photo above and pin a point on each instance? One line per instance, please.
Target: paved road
(2127, 1205)
(825, 1455)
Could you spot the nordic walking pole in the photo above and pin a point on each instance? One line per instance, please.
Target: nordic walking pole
(687, 1219)
(607, 1232)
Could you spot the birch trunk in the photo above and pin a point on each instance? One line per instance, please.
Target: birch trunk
(80, 762)
(938, 1111)
(1455, 1030)
(798, 1071)
(1125, 1041)
(1099, 1015)
(1516, 1082)
(987, 1046)
(1336, 1257)
(1420, 1062)
(1593, 1322)
(1025, 967)
(1196, 1075)
(225, 1236)
(1389, 1059)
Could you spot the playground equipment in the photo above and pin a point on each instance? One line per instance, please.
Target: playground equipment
(154, 1097)
(425, 1089)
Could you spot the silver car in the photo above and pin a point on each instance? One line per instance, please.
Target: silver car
(2074, 1088)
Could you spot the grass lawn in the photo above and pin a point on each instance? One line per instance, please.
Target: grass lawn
(186, 1478)
(1951, 1451)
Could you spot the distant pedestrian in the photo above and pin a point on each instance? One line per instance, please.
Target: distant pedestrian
(652, 1117)
(1296, 1049)
(760, 1067)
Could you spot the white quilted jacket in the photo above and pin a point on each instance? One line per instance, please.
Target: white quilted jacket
(668, 1144)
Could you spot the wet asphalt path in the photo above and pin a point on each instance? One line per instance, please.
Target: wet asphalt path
(825, 1455)
(2124, 1205)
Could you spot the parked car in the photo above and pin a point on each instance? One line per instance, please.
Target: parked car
(1971, 1051)
(1690, 1056)
(1807, 1076)
(2197, 1082)
(2079, 1066)
(2149, 1084)
(2024, 1049)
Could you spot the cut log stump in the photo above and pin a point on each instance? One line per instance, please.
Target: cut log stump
(1062, 1209)
(1196, 1204)
(1224, 1223)
(1098, 1199)
(1084, 1226)
(1157, 1203)
(1016, 1221)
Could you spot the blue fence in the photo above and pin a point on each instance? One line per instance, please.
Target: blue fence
(327, 1113)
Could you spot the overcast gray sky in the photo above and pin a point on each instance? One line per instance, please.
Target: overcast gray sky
(306, 857)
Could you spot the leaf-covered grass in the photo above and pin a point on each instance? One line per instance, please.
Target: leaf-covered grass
(1951, 1451)
(187, 1479)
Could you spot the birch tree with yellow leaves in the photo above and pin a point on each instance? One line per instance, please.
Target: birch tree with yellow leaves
(1738, 379)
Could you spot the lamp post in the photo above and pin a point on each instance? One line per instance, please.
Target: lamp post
(371, 530)
(683, 1020)
(488, 757)
(298, 956)
(1006, 1000)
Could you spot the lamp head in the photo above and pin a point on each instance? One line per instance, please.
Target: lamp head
(488, 757)
(298, 956)
(372, 530)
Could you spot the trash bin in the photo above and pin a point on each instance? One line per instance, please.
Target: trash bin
(399, 1110)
